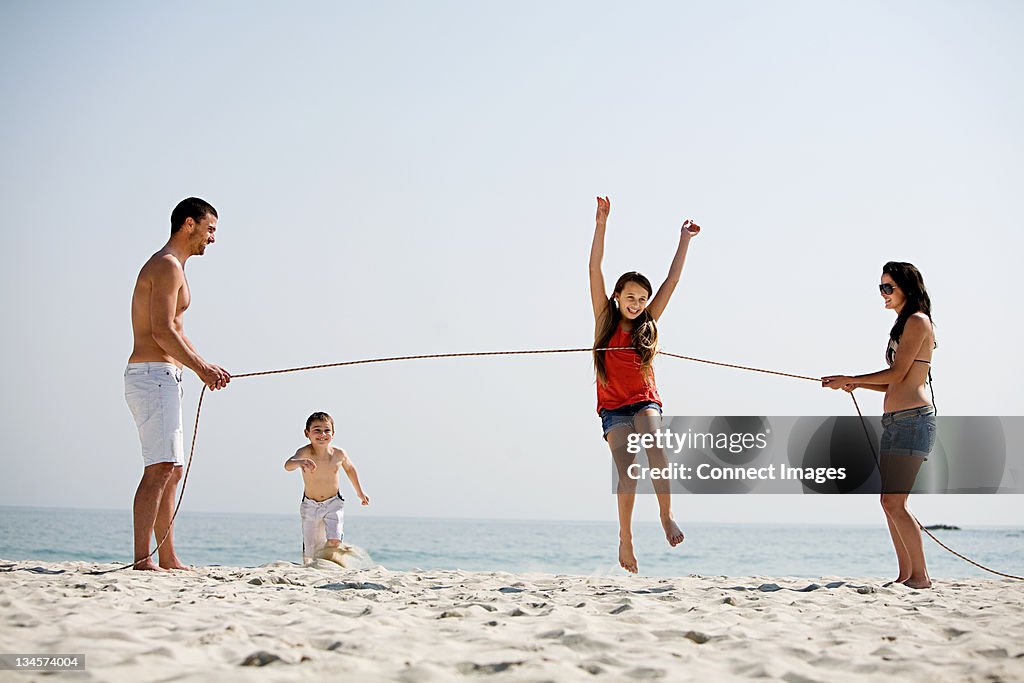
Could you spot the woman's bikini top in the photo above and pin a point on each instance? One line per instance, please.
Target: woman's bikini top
(890, 354)
(890, 358)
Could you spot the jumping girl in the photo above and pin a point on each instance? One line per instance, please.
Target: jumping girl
(627, 397)
(909, 418)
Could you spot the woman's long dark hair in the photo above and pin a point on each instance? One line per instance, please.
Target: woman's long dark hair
(909, 280)
(644, 336)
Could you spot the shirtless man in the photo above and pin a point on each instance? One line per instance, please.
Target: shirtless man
(152, 380)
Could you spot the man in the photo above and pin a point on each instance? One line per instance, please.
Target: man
(153, 378)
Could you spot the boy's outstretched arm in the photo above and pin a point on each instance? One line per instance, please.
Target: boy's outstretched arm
(299, 461)
(660, 300)
(353, 476)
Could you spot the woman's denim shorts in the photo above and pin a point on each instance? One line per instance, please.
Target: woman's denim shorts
(616, 417)
(909, 432)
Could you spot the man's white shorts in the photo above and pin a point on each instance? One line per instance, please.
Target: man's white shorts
(153, 393)
(321, 520)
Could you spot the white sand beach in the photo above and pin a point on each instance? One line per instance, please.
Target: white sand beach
(283, 622)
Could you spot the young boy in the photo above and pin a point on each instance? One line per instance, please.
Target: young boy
(322, 508)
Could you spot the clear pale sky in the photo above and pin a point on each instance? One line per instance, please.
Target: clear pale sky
(403, 178)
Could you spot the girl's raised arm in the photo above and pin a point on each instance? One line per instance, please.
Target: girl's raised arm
(660, 300)
(598, 295)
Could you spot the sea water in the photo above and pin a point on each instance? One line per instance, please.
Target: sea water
(556, 547)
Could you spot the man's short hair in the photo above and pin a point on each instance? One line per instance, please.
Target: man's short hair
(323, 417)
(194, 208)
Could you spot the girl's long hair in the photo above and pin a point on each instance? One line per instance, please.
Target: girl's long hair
(644, 334)
(909, 279)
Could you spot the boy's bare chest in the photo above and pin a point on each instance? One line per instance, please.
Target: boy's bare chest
(327, 465)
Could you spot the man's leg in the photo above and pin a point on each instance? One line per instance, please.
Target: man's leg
(144, 511)
(164, 522)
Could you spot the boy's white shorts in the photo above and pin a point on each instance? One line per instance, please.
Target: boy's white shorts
(321, 521)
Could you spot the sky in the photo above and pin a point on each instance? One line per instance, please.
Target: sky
(419, 177)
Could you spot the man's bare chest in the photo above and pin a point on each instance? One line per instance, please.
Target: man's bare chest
(184, 298)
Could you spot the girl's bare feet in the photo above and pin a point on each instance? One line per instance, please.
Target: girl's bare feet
(627, 560)
(672, 531)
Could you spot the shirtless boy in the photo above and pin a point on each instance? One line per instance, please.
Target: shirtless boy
(152, 380)
(322, 509)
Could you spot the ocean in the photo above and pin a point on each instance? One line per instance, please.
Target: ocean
(555, 547)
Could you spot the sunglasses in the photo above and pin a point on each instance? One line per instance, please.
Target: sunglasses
(885, 288)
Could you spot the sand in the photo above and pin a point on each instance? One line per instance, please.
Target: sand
(283, 622)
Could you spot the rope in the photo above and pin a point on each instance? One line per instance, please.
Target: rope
(423, 357)
(965, 559)
(739, 367)
(366, 361)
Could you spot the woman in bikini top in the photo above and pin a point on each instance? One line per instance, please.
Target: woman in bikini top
(909, 419)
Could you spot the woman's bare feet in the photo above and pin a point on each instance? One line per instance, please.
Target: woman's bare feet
(627, 560)
(673, 533)
(918, 583)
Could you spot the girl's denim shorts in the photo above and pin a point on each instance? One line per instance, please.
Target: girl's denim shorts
(909, 432)
(616, 417)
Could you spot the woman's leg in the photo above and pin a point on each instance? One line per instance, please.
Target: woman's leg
(902, 555)
(625, 494)
(889, 475)
(647, 422)
(901, 471)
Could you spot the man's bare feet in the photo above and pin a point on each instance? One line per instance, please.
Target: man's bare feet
(173, 562)
(627, 560)
(148, 565)
(672, 531)
(176, 565)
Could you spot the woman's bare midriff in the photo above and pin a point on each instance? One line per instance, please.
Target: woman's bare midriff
(912, 392)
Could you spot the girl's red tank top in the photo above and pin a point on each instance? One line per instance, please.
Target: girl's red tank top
(626, 383)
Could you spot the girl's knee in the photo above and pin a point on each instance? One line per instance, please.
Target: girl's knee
(626, 486)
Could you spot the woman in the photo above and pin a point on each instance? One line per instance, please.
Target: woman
(909, 419)
(627, 396)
